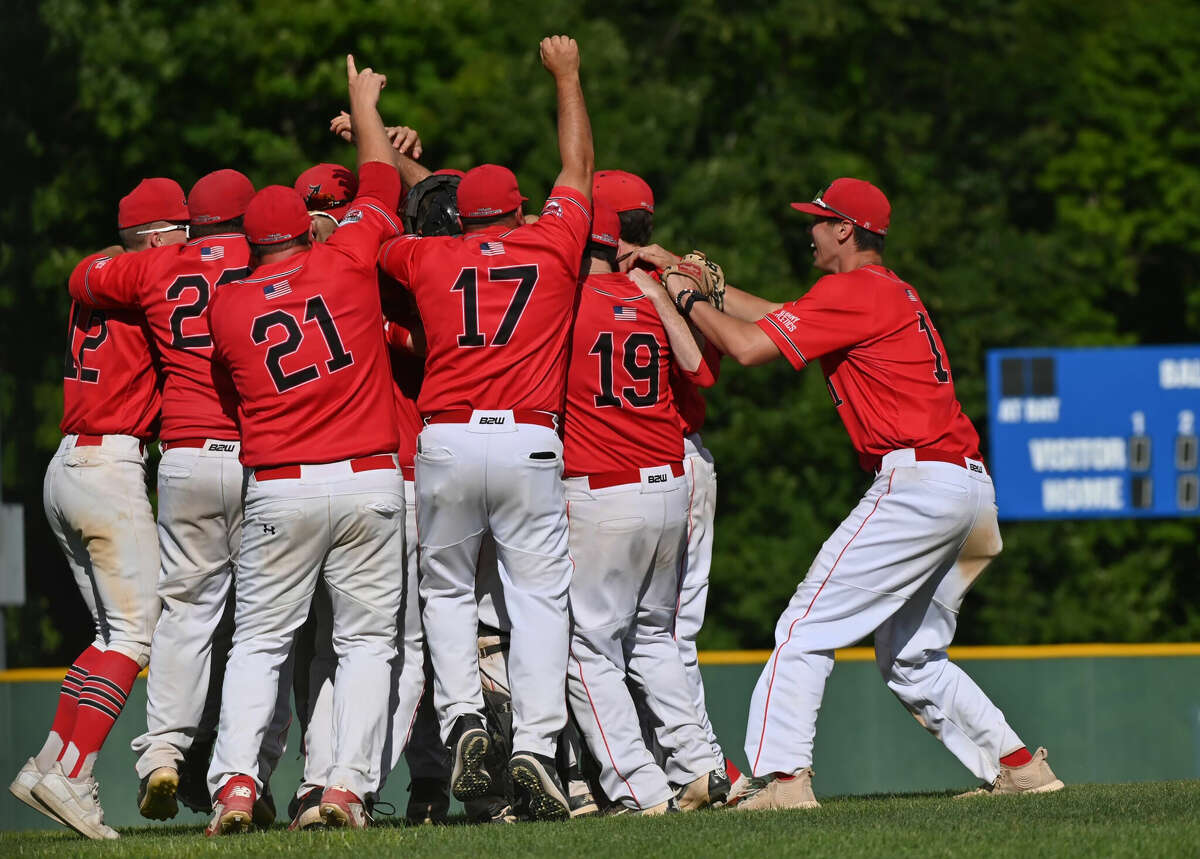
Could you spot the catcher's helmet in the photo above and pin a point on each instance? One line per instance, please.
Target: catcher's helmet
(431, 208)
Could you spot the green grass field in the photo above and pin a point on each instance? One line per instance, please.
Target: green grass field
(1159, 819)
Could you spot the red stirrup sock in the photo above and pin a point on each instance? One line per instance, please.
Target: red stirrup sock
(68, 702)
(100, 703)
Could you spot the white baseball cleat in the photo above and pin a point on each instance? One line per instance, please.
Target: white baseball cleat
(75, 801)
(22, 788)
(778, 790)
(1033, 777)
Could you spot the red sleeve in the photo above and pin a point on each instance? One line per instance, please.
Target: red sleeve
(828, 318)
(397, 257)
(365, 225)
(565, 224)
(381, 181)
(397, 336)
(701, 377)
(710, 362)
(107, 281)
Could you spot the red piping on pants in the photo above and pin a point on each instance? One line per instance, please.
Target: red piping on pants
(775, 661)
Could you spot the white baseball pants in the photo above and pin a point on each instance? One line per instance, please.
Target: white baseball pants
(701, 475)
(348, 528)
(199, 531)
(506, 478)
(97, 507)
(408, 676)
(890, 568)
(629, 542)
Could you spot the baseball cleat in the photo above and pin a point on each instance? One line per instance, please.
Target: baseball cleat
(536, 775)
(581, 801)
(192, 792)
(342, 808)
(778, 790)
(22, 788)
(75, 802)
(156, 794)
(428, 802)
(1033, 777)
(667, 806)
(468, 746)
(233, 811)
(710, 789)
(307, 814)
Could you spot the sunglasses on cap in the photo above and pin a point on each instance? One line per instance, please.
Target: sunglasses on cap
(169, 229)
(817, 201)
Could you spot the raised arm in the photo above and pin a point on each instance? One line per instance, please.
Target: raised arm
(560, 56)
(406, 148)
(369, 134)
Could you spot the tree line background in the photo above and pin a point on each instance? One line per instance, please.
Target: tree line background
(1042, 158)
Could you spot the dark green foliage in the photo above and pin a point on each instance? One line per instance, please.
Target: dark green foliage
(1041, 157)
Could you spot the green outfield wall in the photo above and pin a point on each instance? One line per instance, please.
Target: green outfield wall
(1107, 713)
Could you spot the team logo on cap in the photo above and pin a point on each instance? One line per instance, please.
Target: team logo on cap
(604, 237)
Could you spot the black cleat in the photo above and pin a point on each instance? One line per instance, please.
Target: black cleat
(468, 746)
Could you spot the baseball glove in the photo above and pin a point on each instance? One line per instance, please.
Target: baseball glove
(706, 274)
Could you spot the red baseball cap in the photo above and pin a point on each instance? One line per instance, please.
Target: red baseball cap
(155, 199)
(220, 196)
(449, 171)
(856, 200)
(487, 191)
(276, 214)
(327, 188)
(622, 191)
(606, 225)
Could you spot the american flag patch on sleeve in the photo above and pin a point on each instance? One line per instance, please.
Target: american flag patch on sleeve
(210, 254)
(274, 290)
(491, 249)
(624, 314)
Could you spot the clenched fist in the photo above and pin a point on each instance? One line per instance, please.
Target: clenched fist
(560, 55)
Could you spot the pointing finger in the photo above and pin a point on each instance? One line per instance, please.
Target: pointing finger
(351, 69)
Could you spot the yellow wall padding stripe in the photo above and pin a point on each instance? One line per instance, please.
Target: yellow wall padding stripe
(1037, 651)
(848, 654)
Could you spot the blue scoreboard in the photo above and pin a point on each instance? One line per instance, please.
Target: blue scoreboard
(1094, 433)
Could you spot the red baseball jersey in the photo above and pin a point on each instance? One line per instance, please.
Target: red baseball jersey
(303, 340)
(620, 410)
(686, 389)
(173, 286)
(111, 384)
(408, 370)
(496, 307)
(884, 363)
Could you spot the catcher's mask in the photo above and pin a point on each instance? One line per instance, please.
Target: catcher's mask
(431, 208)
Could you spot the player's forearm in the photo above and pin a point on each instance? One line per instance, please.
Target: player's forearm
(745, 306)
(369, 134)
(574, 135)
(741, 340)
(684, 349)
(411, 172)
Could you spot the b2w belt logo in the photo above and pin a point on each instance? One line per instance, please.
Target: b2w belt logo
(492, 421)
(656, 478)
(976, 467)
(222, 448)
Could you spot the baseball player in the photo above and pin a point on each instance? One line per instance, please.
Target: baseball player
(303, 341)
(327, 190)
(199, 483)
(901, 562)
(633, 200)
(628, 529)
(496, 306)
(96, 503)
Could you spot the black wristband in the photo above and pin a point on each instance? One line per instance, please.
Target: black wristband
(684, 306)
